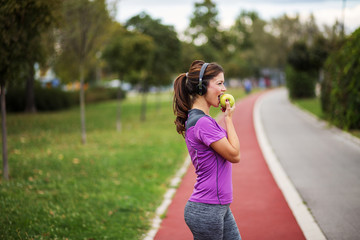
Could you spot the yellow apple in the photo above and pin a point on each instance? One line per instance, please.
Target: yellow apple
(225, 97)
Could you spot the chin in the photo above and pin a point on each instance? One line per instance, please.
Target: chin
(216, 105)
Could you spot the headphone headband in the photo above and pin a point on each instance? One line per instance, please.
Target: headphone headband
(201, 75)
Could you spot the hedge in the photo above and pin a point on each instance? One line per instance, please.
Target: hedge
(301, 84)
(53, 99)
(340, 95)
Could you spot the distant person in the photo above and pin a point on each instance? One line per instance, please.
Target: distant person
(247, 86)
(267, 82)
(212, 150)
(262, 83)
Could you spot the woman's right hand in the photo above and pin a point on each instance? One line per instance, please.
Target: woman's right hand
(228, 147)
(228, 110)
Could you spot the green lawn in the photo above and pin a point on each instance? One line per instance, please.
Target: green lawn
(106, 189)
(311, 105)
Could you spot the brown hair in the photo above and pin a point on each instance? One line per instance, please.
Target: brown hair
(186, 90)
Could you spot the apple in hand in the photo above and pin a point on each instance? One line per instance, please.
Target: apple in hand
(225, 97)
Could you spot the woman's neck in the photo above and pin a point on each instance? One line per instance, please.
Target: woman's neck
(200, 103)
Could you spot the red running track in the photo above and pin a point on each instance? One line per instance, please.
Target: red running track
(260, 209)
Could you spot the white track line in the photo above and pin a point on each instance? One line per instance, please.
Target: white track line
(167, 200)
(304, 218)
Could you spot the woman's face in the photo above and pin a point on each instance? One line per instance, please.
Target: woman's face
(215, 89)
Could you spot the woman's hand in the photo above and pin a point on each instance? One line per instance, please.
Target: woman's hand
(228, 110)
(229, 147)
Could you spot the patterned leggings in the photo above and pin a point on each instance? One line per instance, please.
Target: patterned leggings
(211, 221)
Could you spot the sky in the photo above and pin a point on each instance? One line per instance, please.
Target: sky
(178, 12)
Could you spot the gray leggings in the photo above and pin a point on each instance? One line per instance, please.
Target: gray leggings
(211, 221)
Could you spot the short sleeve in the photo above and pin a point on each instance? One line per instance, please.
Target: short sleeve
(208, 131)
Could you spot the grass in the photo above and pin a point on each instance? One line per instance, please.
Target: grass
(313, 105)
(106, 189)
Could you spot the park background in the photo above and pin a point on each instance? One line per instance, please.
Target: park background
(88, 140)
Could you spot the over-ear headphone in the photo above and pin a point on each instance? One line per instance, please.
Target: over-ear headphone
(202, 86)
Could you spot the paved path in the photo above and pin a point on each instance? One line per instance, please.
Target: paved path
(259, 206)
(323, 165)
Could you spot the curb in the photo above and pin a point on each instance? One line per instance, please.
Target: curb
(302, 215)
(310, 117)
(156, 222)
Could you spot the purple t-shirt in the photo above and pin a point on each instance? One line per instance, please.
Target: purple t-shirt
(214, 179)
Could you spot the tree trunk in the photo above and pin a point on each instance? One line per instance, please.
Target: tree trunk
(118, 118)
(82, 104)
(30, 97)
(158, 99)
(143, 106)
(4, 137)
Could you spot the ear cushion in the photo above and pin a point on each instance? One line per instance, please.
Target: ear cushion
(203, 89)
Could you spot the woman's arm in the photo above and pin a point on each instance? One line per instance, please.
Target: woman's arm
(229, 147)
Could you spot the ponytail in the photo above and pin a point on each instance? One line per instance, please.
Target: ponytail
(182, 103)
(186, 90)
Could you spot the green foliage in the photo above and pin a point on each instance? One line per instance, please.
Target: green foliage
(81, 35)
(205, 33)
(204, 22)
(304, 65)
(189, 52)
(299, 57)
(301, 84)
(243, 29)
(128, 51)
(21, 25)
(45, 99)
(304, 58)
(98, 94)
(167, 48)
(341, 86)
(54, 99)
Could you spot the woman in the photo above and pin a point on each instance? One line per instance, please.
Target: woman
(212, 150)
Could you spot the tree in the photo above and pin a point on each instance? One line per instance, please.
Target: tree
(204, 31)
(166, 56)
(204, 23)
(85, 22)
(189, 52)
(248, 47)
(21, 24)
(243, 60)
(128, 52)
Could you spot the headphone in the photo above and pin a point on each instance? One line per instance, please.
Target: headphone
(202, 86)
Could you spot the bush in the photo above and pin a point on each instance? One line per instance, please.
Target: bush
(53, 99)
(45, 99)
(340, 93)
(301, 71)
(301, 84)
(97, 94)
